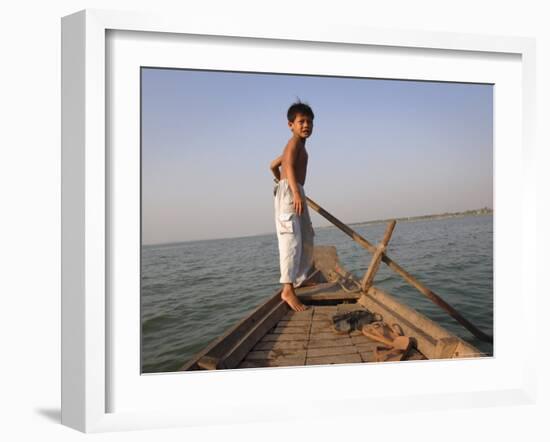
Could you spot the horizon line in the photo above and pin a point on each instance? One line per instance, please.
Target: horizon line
(484, 210)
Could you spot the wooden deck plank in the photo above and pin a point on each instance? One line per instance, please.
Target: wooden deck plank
(321, 322)
(285, 337)
(360, 339)
(294, 323)
(321, 327)
(341, 296)
(368, 346)
(275, 354)
(322, 318)
(282, 362)
(331, 351)
(367, 356)
(327, 317)
(319, 309)
(218, 348)
(285, 345)
(238, 352)
(325, 288)
(298, 316)
(323, 313)
(335, 342)
(346, 308)
(327, 360)
(290, 329)
(327, 335)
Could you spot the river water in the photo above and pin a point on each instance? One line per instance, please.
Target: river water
(192, 292)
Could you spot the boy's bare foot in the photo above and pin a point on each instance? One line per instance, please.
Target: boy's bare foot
(289, 296)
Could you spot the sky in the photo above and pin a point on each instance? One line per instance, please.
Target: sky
(379, 149)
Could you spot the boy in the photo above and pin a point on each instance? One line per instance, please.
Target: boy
(292, 221)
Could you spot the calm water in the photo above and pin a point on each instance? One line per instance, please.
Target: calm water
(192, 292)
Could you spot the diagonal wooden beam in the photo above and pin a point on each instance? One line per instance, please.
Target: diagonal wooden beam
(377, 257)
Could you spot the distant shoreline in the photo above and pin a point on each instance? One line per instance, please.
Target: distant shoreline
(446, 215)
(476, 212)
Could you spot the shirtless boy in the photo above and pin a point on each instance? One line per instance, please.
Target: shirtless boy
(293, 224)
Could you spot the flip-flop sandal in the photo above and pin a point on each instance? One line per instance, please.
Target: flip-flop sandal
(341, 327)
(364, 319)
(342, 323)
(354, 320)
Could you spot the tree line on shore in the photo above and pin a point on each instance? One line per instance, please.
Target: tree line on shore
(472, 212)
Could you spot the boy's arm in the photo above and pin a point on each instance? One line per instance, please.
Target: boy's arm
(274, 166)
(289, 162)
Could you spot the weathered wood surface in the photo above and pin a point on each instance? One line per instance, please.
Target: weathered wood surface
(284, 328)
(281, 362)
(229, 349)
(307, 338)
(325, 259)
(402, 272)
(315, 343)
(337, 359)
(325, 289)
(328, 343)
(446, 348)
(337, 295)
(377, 257)
(243, 333)
(465, 350)
(414, 324)
(236, 354)
(209, 363)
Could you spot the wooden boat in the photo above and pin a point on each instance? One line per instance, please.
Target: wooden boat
(273, 335)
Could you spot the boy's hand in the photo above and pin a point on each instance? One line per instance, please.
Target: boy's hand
(298, 203)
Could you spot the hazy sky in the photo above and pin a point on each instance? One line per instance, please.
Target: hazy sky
(379, 149)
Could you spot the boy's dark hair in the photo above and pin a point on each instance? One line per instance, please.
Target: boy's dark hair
(299, 108)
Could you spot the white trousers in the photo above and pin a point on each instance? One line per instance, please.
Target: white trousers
(294, 234)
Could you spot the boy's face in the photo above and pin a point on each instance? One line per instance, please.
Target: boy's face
(302, 126)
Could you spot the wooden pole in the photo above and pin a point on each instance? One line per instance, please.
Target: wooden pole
(377, 257)
(402, 272)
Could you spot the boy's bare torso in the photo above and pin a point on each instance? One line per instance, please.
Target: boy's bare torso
(300, 162)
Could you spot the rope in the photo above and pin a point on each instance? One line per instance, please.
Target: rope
(344, 279)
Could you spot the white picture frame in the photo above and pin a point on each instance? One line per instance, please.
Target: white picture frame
(87, 202)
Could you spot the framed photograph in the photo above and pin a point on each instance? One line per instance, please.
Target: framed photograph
(176, 307)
